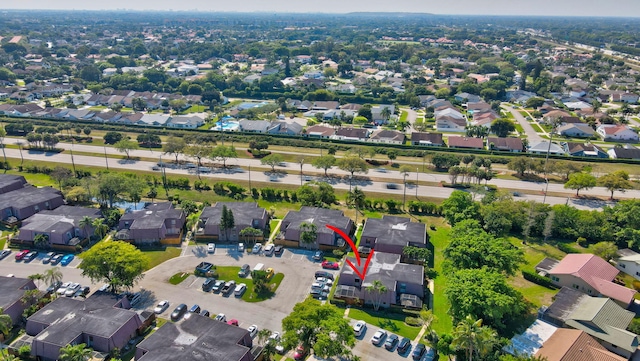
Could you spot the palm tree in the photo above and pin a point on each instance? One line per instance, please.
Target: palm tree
(85, 223)
(78, 352)
(41, 240)
(471, 336)
(385, 113)
(52, 275)
(37, 277)
(268, 348)
(377, 288)
(100, 229)
(6, 323)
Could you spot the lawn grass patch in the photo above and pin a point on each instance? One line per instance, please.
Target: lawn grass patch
(177, 278)
(403, 116)
(537, 128)
(440, 239)
(390, 321)
(229, 273)
(2, 242)
(158, 257)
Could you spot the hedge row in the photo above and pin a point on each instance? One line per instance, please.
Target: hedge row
(536, 278)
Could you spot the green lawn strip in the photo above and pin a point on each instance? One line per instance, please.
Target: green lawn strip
(178, 278)
(519, 128)
(403, 116)
(158, 257)
(2, 242)
(274, 225)
(392, 322)
(358, 235)
(229, 273)
(440, 240)
(537, 128)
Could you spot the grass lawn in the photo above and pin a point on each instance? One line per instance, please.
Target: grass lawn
(228, 273)
(274, 226)
(157, 257)
(178, 277)
(2, 241)
(440, 240)
(403, 116)
(392, 322)
(519, 128)
(537, 128)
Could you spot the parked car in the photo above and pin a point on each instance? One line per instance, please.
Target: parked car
(359, 328)
(431, 354)
(378, 337)
(205, 313)
(244, 270)
(418, 351)
(319, 294)
(217, 286)
(30, 256)
(256, 248)
(318, 256)
(208, 284)
(221, 317)
(391, 342)
(324, 280)
(135, 298)
(203, 268)
(104, 288)
(228, 287)
(253, 330)
(278, 250)
(47, 257)
(63, 288)
(330, 265)
(240, 247)
(178, 312)
(20, 255)
(268, 249)
(324, 274)
(161, 307)
(71, 290)
(211, 248)
(233, 322)
(82, 292)
(54, 287)
(300, 353)
(240, 289)
(275, 337)
(56, 259)
(66, 259)
(404, 345)
(4, 254)
(270, 273)
(194, 309)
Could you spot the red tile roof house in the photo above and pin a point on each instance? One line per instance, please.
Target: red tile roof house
(11, 291)
(592, 275)
(103, 322)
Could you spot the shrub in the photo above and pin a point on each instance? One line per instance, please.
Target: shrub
(581, 241)
(566, 248)
(537, 279)
(338, 253)
(413, 321)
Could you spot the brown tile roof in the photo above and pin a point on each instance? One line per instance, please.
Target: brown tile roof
(466, 142)
(575, 345)
(427, 138)
(508, 143)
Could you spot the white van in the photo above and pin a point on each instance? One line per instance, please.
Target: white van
(259, 267)
(240, 290)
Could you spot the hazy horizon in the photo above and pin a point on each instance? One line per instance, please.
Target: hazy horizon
(592, 8)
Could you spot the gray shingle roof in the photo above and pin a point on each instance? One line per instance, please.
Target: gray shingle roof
(318, 216)
(243, 212)
(386, 268)
(395, 231)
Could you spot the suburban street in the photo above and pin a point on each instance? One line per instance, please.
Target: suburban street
(532, 135)
(373, 182)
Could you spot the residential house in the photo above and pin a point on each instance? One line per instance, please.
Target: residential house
(11, 291)
(584, 150)
(292, 227)
(427, 139)
(554, 116)
(155, 120)
(404, 282)
(531, 340)
(592, 275)
(185, 122)
(9, 182)
(22, 203)
(254, 126)
(617, 132)
(543, 147)
(325, 105)
(391, 234)
(245, 215)
(626, 152)
(506, 144)
(519, 96)
(319, 131)
(624, 97)
(601, 318)
(567, 345)
(447, 123)
(478, 107)
(467, 98)
(157, 222)
(284, 128)
(629, 263)
(378, 113)
(60, 225)
(484, 118)
(576, 130)
(387, 136)
(19, 110)
(103, 322)
(352, 134)
(465, 142)
(194, 339)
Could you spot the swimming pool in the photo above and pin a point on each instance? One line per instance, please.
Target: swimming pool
(226, 125)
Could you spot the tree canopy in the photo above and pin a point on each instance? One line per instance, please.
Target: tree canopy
(119, 264)
(580, 181)
(459, 206)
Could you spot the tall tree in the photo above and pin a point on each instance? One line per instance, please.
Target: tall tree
(85, 223)
(224, 152)
(227, 221)
(272, 160)
(119, 264)
(460, 206)
(376, 289)
(100, 229)
(6, 323)
(605, 250)
(41, 240)
(616, 181)
(61, 174)
(502, 127)
(580, 181)
(319, 327)
(78, 352)
(475, 339)
(52, 275)
(3, 134)
(353, 164)
(324, 162)
(175, 146)
(126, 146)
(254, 233)
(308, 232)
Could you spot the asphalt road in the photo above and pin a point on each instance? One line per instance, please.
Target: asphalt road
(339, 179)
(532, 135)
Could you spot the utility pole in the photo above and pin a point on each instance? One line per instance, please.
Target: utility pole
(404, 191)
(249, 178)
(105, 156)
(417, 182)
(73, 164)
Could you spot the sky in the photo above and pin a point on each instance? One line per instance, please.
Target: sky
(625, 8)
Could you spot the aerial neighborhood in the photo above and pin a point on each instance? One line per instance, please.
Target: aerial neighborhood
(298, 186)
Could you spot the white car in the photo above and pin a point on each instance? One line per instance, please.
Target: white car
(104, 288)
(275, 337)
(161, 306)
(72, 289)
(324, 280)
(221, 317)
(253, 330)
(268, 249)
(240, 290)
(240, 247)
(359, 328)
(211, 248)
(63, 288)
(378, 337)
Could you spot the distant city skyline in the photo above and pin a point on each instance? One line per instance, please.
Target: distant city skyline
(621, 8)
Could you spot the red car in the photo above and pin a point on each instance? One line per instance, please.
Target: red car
(233, 322)
(20, 255)
(330, 265)
(301, 353)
